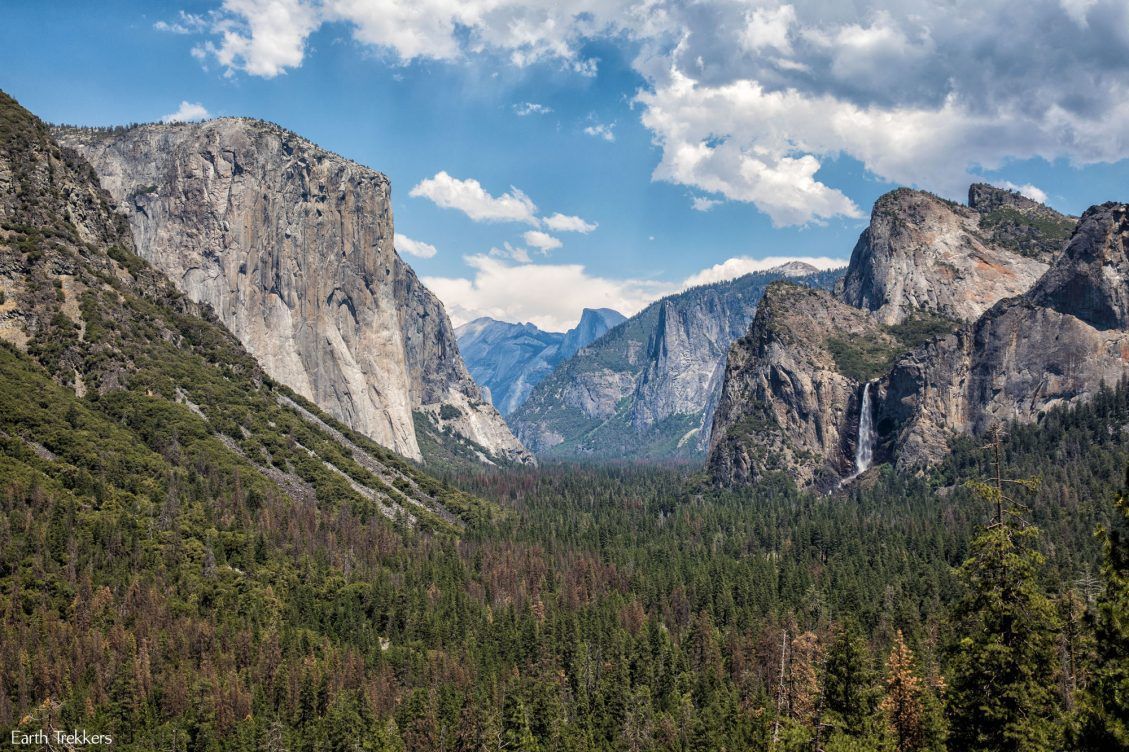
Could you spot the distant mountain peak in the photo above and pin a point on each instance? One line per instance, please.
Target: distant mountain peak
(795, 269)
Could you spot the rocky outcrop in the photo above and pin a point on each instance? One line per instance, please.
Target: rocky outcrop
(508, 360)
(922, 253)
(170, 394)
(952, 317)
(786, 403)
(293, 248)
(1013, 221)
(648, 388)
(1056, 344)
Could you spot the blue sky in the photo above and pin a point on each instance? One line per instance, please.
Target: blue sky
(785, 120)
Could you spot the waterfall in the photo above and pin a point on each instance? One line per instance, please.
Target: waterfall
(864, 451)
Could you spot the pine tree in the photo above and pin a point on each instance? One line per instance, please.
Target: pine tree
(848, 683)
(1103, 715)
(907, 704)
(1005, 659)
(517, 735)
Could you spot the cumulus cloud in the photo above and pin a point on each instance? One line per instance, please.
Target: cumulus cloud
(741, 265)
(524, 31)
(261, 37)
(469, 197)
(1033, 192)
(531, 108)
(542, 241)
(416, 248)
(605, 131)
(749, 100)
(567, 223)
(187, 112)
(512, 252)
(550, 296)
(703, 203)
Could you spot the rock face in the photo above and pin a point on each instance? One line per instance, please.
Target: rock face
(177, 395)
(949, 313)
(509, 360)
(786, 404)
(1057, 343)
(293, 248)
(648, 388)
(1018, 223)
(921, 252)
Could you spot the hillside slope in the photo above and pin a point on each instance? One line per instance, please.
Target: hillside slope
(292, 247)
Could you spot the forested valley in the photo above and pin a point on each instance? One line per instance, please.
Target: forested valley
(614, 608)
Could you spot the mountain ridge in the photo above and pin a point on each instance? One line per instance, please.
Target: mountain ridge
(943, 355)
(292, 246)
(647, 388)
(508, 359)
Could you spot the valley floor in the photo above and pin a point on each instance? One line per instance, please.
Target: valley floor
(602, 608)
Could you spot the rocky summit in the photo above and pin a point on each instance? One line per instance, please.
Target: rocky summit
(293, 248)
(508, 360)
(648, 388)
(956, 317)
(921, 252)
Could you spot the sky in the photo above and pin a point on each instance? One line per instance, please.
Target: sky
(547, 155)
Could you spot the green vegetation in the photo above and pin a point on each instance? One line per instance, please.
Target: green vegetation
(1030, 233)
(866, 358)
(186, 563)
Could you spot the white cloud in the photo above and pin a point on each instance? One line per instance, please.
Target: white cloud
(187, 112)
(605, 131)
(567, 223)
(1033, 192)
(185, 23)
(749, 100)
(543, 241)
(741, 265)
(416, 248)
(469, 197)
(550, 296)
(262, 37)
(703, 203)
(509, 251)
(531, 108)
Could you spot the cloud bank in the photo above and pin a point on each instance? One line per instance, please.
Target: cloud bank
(749, 100)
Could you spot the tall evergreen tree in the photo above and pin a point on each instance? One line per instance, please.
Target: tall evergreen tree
(1103, 715)
(1005, 658)
(907, 704)
(848, 682)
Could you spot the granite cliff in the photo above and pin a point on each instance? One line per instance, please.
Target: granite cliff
(508, 360)
(117, 387)
(1057, 343)
(648, 388)
(943, 312)
(293, 248)
(921, 252)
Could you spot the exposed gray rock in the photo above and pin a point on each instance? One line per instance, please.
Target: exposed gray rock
(1056, 344)
(292, 246)
(951, 321)
(786, 404)
(922, 253)
(508, 360)
(648, 388)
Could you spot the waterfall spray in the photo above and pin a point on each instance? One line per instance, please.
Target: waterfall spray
(864, 451)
